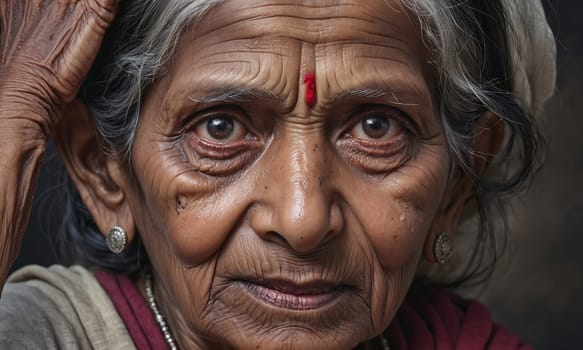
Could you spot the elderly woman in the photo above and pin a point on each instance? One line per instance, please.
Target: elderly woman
(265, 174)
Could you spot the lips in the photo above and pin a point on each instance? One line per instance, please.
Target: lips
(289, 295)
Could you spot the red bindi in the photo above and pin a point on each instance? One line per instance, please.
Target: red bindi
(310, 81)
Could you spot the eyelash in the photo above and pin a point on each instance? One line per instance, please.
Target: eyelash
(362, 112)
(233, 112)
(216, 150)
(379, 157)
(230, 157)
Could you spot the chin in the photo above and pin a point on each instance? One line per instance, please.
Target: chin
(296, 337)
(269, 315)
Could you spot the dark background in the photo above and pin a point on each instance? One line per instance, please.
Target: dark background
(536, 291)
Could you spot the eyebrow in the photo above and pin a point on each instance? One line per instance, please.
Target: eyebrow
(409, 97)
(370, 93)
(236, 94)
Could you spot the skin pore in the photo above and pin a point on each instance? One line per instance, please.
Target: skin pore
(272, 224)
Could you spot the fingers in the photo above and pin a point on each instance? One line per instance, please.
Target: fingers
(51, 43)
(104, 9)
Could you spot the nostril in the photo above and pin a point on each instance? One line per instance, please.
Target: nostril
(275, 237)
(298, 243)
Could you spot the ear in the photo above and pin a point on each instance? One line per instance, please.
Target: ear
(100, 178)
(488, 139)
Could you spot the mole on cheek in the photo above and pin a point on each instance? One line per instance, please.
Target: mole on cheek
(310, 82)
(180, 204)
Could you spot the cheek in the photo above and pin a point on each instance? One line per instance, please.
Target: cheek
(184, 225)
(396, 233)
(397, 213)
(196, 215)
(181, 213)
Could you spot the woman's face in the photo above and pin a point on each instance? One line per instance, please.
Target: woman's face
(272, 222)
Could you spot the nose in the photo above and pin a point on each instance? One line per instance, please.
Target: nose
(299, 205)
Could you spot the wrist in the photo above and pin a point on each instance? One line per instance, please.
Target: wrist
(24, 116)
(21, 142)
(26, 97)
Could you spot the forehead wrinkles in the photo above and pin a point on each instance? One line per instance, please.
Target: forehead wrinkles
(312, 21)
(204, 67)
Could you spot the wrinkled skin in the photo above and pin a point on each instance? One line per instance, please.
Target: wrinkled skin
(237, 199)
(46, 49)
(292, 193)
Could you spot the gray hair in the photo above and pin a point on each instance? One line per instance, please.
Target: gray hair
(141, 39)
(468, 40)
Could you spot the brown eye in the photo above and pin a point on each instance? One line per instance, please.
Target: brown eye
(220, 129)
(376, 127)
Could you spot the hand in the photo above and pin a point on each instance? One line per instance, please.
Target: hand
(46, 49)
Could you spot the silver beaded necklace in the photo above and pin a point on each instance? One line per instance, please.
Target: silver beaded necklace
(166, 331)
(159, 318)
(384, 342)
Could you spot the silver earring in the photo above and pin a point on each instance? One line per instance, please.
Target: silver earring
(117, 240)
(443, 248)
